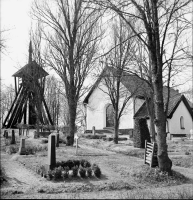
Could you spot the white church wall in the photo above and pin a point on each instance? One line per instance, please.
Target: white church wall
(174, 126)
(96, 110)
(174, 122)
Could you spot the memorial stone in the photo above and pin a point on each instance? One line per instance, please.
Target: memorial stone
(13, 137)
(22, 147)
(51, 152)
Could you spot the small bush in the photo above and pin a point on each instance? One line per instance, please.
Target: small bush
(89, 171)
(49, 175)
(187, 153)
(44, 140)
(97, 172)
(75, 171)
(40, 169)
(65, 174)
(94, 136)
(57, 173)
(85, 163)
(94, 166)
(82, 172)
(76, 163)
(70, 164)
(12, 149)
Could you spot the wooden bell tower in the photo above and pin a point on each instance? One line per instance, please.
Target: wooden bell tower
(29, 106)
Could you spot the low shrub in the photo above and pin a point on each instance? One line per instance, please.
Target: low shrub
(65, 174)
(76, 163)
(82, 168)
(44, 140)
(94, 136)
(82, 172)
(70, 164)
(49, 175)
(12, 149)
(2, 175)
(187, 153)
(94, 165)
(89, 171)
(97, 172)
(40, 169)
(75, 171)
(57, 173)
(85, 163)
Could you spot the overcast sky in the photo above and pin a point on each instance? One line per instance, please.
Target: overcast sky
(15, 18)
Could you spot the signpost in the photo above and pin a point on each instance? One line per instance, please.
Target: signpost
(76, 138)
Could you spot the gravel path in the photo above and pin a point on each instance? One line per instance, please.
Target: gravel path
(18, 176)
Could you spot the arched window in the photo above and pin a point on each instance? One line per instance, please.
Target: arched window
(167, 126)
(182, 122)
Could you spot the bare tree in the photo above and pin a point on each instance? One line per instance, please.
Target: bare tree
(6, 100)
(113, 76)
(156, 21)
(72, 31)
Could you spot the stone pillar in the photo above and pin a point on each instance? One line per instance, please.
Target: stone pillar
(57, 139)
(13, 137)
(22, 147)
(51, 152)
(93, 130)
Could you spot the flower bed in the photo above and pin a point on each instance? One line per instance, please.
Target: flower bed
(70, 168)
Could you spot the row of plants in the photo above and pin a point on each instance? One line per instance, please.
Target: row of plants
(29, 149)
(70, 168)
(89, 136)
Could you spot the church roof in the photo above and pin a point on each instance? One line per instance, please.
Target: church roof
(132, 82)
(31, 69)
(174, 101)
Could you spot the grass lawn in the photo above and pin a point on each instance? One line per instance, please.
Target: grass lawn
(121, 165)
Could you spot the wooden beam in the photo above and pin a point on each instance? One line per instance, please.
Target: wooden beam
(14, 101)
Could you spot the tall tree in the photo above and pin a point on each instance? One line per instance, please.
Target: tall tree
(72, 31)
(117, 61)
(156, 20)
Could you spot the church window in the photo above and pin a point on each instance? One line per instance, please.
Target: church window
(182, 122)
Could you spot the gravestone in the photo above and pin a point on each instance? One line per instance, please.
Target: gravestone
(57, 139)
(93, 130)
(5, 134)
(51, 152)
(13, 137)
(20, 131)
(22, 147)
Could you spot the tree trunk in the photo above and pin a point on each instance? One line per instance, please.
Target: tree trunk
(72, 118)
(165, 164)
(116, 127)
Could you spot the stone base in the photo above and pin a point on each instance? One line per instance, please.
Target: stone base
(49, 167)
(22, 151)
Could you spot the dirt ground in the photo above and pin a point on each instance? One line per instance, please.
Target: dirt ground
(117, 162)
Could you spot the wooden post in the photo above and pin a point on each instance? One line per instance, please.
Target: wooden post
(76, 138)
(152, 154)
(145, 151)
(93, 130)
